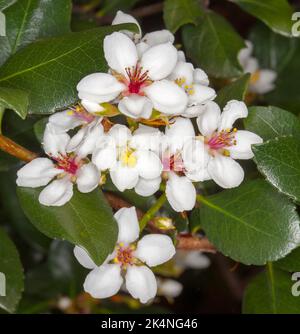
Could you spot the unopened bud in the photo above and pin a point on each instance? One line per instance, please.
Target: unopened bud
(102, 179)
(163, 223)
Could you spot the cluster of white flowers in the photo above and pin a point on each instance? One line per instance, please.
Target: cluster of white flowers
(159, 92)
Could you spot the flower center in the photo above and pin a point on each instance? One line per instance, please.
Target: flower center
(128, 157)
(124, 255)
(189, 89)
(137, 79)
(222, 139)
(255, 77)
(67, 163)
(173, 163)
(80, 113)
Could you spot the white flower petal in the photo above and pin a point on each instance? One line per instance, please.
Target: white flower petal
(194, 111)
(167, 97)
(99, 87)
(83, 258)
(169, 288)
(120, 52)
(180, 192)
(155, 249)
(251, 65)
(65, 120)
(209, 119)
(181, 55)
(124, 177)
(148, 164)
(232, 111)
(226, 172)
(265, 82)
(195, 155)
(55, 141)
(104, 281)
(244, 140)
(37, 173)
(91, 107)
(88, 178)
(183, 71)
(57, 193)
(121, 18)
(179, 132)
(136, 106)
(198, 175)
(141, 283)
(200, 77)
(201, 94)
(147, 138)
(141, 48)
(192, 259)
(147, 187)
(105, 155)
(245, 53)
(158, 37)
(120, 134)
(128, 224)
(159, 60)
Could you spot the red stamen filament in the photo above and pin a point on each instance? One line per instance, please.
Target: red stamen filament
(222, 139)
(67, 164)
(137, 79)
(125, 256)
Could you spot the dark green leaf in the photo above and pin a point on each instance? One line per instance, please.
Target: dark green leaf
(11, 267)
(14, 99)
(180, 12)
(278, 160)
(112, 6)
(50, 69)
(233, 91)
(270, 293)
(252, 224)
(29, 20)
(273, 51)
(214, 45)
(6, 3)
(291, 262)
(271, 122)
(276, 14)
(39, 128)
(86, 220)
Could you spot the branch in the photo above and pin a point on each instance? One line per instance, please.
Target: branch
(9, 146)
(187, 242)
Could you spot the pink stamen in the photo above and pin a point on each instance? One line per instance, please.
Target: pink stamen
(173, 163)
(137, 79)
(82, 114)
(222, 139)
(67, 163)
(125, 256)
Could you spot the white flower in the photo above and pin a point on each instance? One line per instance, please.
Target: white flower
(195, 83)
(262, 80)
(225, 143)
(121, 18)
(68, 166)
(191, 259)
(130, 163)
(137, 83)
(169, 288)
(130, 261)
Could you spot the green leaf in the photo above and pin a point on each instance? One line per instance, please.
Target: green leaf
(51, 68)
(252, 224)
(11, 267)
(29, 20)
(6, 3)
(270, 293)
(86, 220)
(14, 99)
(276, 14)
(112, 6)
(214, 45)
(278, 160)
(180, 12)
(271, 122)
(291, 262)
(273, 51)
(233, 91)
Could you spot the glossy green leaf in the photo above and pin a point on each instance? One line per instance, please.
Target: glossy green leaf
(278, 160)
(6, 3)
(11, 274)
(272, 50)
(251, 224)
(271, 293)
(291, 262)
(271, 122)
(180, 12)
(29, 20)
(14, 99)
(233, 91)
(86, 220)
(214, 45)
(276, 14)
(51, 68)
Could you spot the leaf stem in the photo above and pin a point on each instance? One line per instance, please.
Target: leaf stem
(270, 272)
(152, 211)
(9, 146)
(2, 110)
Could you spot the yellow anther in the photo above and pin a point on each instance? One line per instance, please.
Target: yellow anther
(235, 130)
(254, 77)
(226, 153)
(70, 112)
(128, 158)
